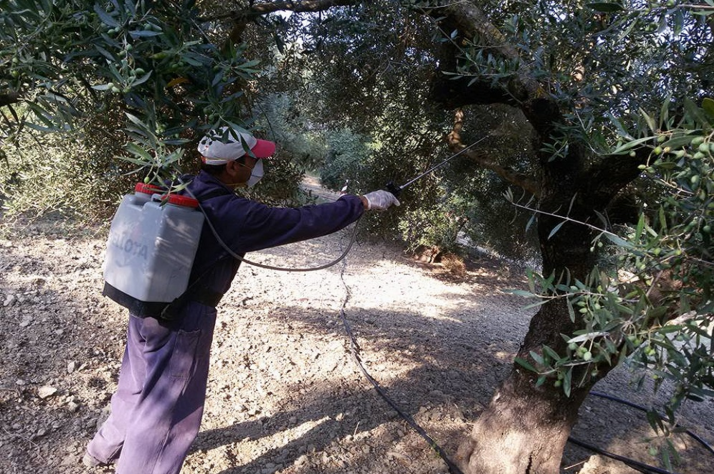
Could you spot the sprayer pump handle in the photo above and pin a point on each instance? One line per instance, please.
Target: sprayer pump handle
(394, 189)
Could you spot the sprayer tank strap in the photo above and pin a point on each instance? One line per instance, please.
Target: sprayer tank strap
(197, 292)
(214, 193)
(143, 309)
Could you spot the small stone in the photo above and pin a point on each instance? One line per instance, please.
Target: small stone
(26, 322)
(46, 391)
(71, 366)
(70, 460)
(72, 407)
(9, 300)
(20, 382)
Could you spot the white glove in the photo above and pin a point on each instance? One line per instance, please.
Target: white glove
(380, 200)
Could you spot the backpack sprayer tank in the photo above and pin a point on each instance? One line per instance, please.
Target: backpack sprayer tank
(152, 244)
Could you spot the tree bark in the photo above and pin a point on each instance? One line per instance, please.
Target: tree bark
(522, 431)
(524, 428)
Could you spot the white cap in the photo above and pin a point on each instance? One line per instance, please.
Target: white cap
(223, 145)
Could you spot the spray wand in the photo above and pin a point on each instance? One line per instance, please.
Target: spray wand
(396, 190)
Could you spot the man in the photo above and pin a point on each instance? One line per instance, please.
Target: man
(157, 408)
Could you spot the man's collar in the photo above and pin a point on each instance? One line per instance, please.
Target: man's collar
(208, 178)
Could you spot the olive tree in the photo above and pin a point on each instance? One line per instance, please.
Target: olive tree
(580, 74)
(146, 74)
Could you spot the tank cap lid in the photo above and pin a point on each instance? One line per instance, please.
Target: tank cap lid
(148, 188)
(180, 200)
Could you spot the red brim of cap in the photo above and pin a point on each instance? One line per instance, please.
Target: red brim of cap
(263, 149)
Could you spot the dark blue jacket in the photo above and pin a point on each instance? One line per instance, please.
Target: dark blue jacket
(247, 226)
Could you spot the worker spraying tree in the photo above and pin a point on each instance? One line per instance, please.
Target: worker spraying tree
(157, 408)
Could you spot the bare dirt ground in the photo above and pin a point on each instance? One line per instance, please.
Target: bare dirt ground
(284, 394)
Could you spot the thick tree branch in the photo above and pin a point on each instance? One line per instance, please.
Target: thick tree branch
(597, 184)
(507, 174)
(611, 174)
(260, 9)
(241, 18)
(453, 93)
(472, 23)
(522, 90)
(9, 98)
(521, 180)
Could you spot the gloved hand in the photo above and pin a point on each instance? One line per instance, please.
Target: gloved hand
(380, 200)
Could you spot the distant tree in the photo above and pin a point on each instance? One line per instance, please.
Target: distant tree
(368, 68)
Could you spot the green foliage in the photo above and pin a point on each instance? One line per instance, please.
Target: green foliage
(68, 63)
(152, 67)
(346, 154)
(75, 174)
(279, 114)
(371, 107)
(59, 56)
(587, 56)
(674, 255)
(359, 113)
(492, 222)
(431, 227)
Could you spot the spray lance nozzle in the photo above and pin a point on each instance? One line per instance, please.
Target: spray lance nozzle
(396, 189)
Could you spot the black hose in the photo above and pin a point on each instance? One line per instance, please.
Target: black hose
(631, 462)
(270, 267)
(354, 349)
(646, 468)
(641, 408)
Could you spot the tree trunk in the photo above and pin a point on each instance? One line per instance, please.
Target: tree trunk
(524, 428)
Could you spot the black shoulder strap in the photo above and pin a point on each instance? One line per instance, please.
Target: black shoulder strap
(172, 309)
(194, 292)
(213, 194)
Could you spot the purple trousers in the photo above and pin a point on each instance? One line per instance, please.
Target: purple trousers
(157, 408)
